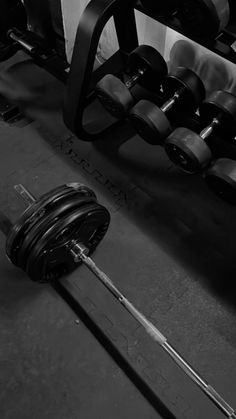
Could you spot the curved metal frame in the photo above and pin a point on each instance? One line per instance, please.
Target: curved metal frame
(81, 78)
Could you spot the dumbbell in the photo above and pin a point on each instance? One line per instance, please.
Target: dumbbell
(160, 8)
(145, 67)
(190, 150)
(203, 18)
(184, 91)
(59, 231)
(13, 14)
(221, 178)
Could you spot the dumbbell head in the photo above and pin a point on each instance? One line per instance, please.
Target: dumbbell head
(40, 241)
(160, 8)
(220, 104)
(115, 96)
(190, 150)
(187, 150)
(204, 18)
(221, 178)
(148, 58)
(189, 84)
(150, 121)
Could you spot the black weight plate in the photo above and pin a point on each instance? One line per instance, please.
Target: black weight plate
(160, 8)
(27, 220)
(114, 96)
(204, 18)
(147, 57)
(35, 212)
(223, 105)
(221, 178)
(189, 84)
(150, 122)
(66, 204)
(30, 215)
(50, 258)
(187, 150)
(38, 209)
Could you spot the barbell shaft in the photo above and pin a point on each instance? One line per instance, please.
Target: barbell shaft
(80, 253)
(27, 197)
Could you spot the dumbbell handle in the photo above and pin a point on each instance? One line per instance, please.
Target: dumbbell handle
(133, 80)
(80, 253)
(23, 43)
(27, 197)
(204, 134)
(170, 102)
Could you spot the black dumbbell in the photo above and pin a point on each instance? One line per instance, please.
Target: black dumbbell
(190, 150)
(160, 8)
(221, 178)
(57, 233)
(184, 91)
(145, 67)
(203, 18)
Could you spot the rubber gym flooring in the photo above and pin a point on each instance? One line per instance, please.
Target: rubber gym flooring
(170, 248)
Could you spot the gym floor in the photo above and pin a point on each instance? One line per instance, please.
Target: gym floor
(170, 249)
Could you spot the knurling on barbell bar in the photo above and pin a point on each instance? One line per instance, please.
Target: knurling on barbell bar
(59, 231)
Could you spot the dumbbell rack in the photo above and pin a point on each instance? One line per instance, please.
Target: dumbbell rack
(82, 78)
(79, 94)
